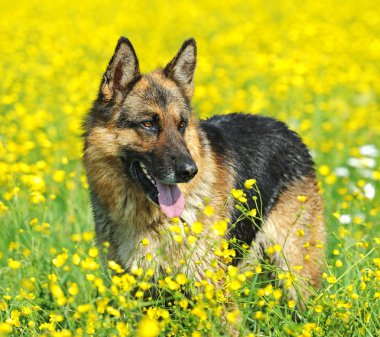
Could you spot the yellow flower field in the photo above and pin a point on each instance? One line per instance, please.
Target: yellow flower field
(313, 64)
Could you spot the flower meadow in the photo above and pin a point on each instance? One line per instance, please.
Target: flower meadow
(312, 64)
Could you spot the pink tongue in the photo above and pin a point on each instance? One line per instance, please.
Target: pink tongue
(170, 199)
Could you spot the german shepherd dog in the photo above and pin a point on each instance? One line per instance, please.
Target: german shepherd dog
(148, 160)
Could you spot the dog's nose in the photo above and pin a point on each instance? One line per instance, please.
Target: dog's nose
(187, 170)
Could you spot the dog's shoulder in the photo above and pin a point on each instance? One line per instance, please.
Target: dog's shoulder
(255, 136)
(245, 126)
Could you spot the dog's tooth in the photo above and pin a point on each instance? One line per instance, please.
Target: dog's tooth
(151, 179)
(143, 168)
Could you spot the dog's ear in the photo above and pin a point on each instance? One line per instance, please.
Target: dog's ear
(181, 68)
(122, 71)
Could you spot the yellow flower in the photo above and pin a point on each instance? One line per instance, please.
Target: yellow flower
(36, 183)
(233, 316)
(331, 279)
(137, 271)
(209, 210)
(3, 305)
(58, 294)
(76, 259)
(83, 308)
(248, 184)
(237, 193)
(274, 249)
(181, 279)
(324, 170)
(13, 264)
(277, 294)
(144, 286)
(149, 257)
(319, 245)
(232, 271)
(93, 252)
(175, 229)
(173, 285)
(183, 303)
(178, 238)
(115, 267)
(88, 236)
(197, 227)
(101, 304)
(220, 227)
(36, 197)
(112, 311)
(199, 312)
(301, 198)
(26, 311)
(354, 296)
(76, 237)
(259, 315)
(5, 328)
(89, 264)
(300, 233)
(73, 289)
(60, 260)
(191, 239)
(56, 318)
(331, 179)
(26, 252)
(148, 328)
(123, 329)
(235, 285)
(59, 176)
(3, 208)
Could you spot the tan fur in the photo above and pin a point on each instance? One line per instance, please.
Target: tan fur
(283, 226)
(107, 92)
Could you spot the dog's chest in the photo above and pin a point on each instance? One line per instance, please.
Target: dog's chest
(168, 247)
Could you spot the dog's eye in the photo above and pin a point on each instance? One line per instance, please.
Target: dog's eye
(147, 124)
(182, 125)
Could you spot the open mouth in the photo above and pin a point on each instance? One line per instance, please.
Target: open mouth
(168, 197)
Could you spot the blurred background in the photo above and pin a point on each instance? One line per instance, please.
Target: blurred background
(314, 65)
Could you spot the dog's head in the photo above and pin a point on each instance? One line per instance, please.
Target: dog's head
(142, 121)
